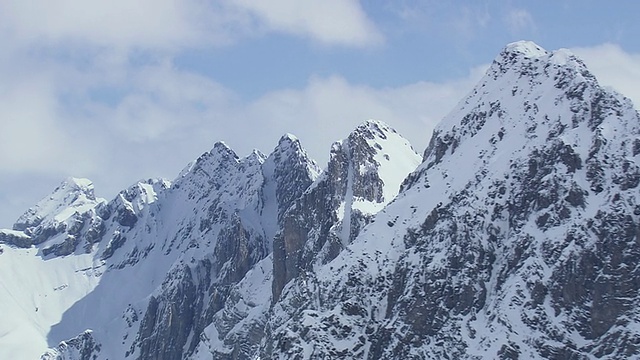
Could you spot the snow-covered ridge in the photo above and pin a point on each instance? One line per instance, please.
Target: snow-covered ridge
(56, 221)
(212, 224)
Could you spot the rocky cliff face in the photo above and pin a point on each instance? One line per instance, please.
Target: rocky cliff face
(361, 178)
(188, 243)
(249, 195)
(317, 214)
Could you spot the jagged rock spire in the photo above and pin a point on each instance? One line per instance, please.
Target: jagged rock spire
(363, 174)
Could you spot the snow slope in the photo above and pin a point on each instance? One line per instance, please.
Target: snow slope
(34, 293)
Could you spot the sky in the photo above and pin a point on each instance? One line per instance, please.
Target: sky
(118, 91)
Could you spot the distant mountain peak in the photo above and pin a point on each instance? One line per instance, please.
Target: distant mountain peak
(73, 184)
(72, 193)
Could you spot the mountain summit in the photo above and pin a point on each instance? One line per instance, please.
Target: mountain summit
(514, 235)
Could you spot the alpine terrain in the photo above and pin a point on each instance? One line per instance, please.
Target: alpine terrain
(516, 235)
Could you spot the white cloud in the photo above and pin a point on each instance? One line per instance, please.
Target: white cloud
(118, 23)
(166, 116)
(163, 100)
(342, 22)
(169, 25)
(328, 108)
(30, 136)
(34, 136)
(614, 67)
(519, 20)
(442, 19)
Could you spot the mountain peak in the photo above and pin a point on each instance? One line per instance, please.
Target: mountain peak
(288, 137)
(222, 151)
(78, 181)
(372, 123)
(528, 49)
(76, 185)
(289, 147)
(527, 58)
(528, 96)
(256, 157)
(371, 129)
(288, 141)
(72, 193)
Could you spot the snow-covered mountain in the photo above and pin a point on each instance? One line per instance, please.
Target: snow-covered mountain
(168, 270)
(527, 250)
(515, 235)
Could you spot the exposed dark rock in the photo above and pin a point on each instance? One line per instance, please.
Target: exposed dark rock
(22, 241)
(125, 216)
(67, 247)
(81, 347)
(236, 252)
(169, 319)
(115, 243)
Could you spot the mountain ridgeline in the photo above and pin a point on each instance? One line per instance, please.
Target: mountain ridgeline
(516, 235)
